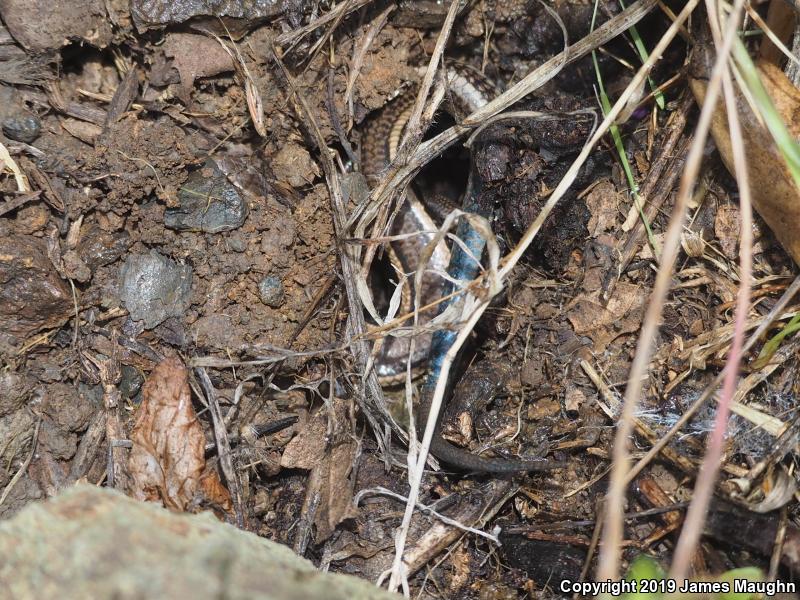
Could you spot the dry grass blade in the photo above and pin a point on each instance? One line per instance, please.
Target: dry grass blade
(254, 104)
(223, 446)
(415, 128)
(19, 177)
(695, 516)
(359, 54)
(398, 178)
(609, 557)
(341, 10)
(372, 400)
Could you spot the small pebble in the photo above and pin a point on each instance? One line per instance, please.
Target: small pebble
(237, 243)
(209, 202)
(22, 129)
(271, 290)
(153, 288)
(130, 382)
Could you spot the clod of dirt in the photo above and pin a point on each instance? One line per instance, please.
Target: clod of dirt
(208, 202)
(14, 392)
(98, 247)
(271, 291)
(32, 295)
(150, 13)
(154, 288)
(66, 410)
(56, 23)
(294, 165)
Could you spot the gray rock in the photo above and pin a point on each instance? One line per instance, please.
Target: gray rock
(130, 382)
(209, 202)
(154, 288)
(24, 128)
(271, 290)
(92, 542)
(148, 13)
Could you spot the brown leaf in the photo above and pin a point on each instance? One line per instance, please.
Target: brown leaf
(775, 194)
(336, 489)
(604, 323)
(330, 466)
(167, 460)
(307, 448)
(603, 203)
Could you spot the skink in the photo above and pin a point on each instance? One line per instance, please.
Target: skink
(381, 138)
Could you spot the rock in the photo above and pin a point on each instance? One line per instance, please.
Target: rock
(33, 296)
(149, 13)
(130, 382)
(22, 128)
(92, 542)
(271, 291)
(154, 288)
(209, 202)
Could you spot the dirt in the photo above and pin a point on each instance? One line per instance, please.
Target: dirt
(258, 301)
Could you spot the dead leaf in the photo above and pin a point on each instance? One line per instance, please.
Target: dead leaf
(603, 324)
(330, 465)
(775, 194)
(307, 448)
(603, 203)
(167, 461)
(83, 130)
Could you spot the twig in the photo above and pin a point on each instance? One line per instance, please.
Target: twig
(356, 326)
(425, 509)
(223, 446)
(15, 202)
(24, 467)
(292, 37)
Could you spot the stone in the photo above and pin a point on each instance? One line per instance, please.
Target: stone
(208, 202)
(92, 542)
(154, 288)
(271, 291)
